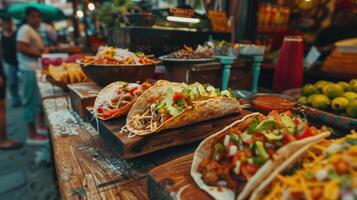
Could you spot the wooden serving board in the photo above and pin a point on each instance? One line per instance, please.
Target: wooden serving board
(136, 146)
(168, 180)
(83, 95)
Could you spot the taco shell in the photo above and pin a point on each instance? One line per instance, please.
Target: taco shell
(206, 146)
(204, 110)
(105, 95)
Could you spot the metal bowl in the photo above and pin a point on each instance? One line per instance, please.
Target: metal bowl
(104, 74)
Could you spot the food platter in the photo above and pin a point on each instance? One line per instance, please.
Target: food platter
(168, 59)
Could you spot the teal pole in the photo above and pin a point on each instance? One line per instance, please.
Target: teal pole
(256, 72)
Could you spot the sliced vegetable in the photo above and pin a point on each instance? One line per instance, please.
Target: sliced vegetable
(261, 149)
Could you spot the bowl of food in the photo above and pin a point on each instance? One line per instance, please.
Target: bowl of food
(189, 54)
(268, 102)
(114, 64)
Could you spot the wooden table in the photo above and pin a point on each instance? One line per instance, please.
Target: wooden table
(86, 168)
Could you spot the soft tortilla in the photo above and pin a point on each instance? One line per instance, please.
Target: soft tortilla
(105, 95)
(205, 148)
(204, 110)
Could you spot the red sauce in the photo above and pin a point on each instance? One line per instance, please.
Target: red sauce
(267, 103)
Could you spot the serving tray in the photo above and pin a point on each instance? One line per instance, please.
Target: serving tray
(131, 147)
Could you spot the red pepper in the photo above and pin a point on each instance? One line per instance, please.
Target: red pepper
(288, 138)
(307, 133)
(100, 110)
(296, 121)
(178, 96)
(145, 85)
(132, 90)
(248, 170)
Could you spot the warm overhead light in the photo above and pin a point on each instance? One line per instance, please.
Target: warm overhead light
(91, 6)
(79, 13)
(183, 19)
(307, 0)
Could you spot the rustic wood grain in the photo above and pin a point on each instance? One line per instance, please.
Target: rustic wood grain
(165, 181)
(86, 168)
(140, 145)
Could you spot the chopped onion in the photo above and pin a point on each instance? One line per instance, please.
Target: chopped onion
(226, 140)
(237, 165)
(233, 150)
(222, 183)
(321, 174)
(333, 148)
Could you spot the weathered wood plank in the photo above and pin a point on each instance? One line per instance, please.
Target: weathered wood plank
(86, 169)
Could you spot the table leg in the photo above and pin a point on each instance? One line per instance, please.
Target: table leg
(256, 72)
(226, 76)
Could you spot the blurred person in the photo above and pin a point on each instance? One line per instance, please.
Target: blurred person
(343, 26)
(29, 49)
(5, 143)
(293, 29)
(9, 60)
(48, 34)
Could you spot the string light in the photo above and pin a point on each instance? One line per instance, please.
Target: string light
(91, 6)
(80, 13)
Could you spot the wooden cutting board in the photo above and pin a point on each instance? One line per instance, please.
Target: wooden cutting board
(136, 146)
(167, 180)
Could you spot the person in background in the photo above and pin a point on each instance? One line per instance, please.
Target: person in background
(29, 49)
(5, 144)
(9, 60)
(343, 25)
(291, 30)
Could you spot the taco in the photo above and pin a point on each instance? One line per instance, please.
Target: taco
(232, 162)
(117, 98)
(170, 105)
(327, 170)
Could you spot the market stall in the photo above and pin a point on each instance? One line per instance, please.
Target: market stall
(197, 100)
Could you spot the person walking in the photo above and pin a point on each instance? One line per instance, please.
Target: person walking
(29, 49)
(5, 143)
(9, 60)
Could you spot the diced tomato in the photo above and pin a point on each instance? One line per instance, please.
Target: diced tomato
(110, 113)
(259, 136)
(261, 118)
(167, 117)
(307, 133)
(145, 85)
(153, 100)
(239, 156)
(100, 110)
(296, 121)
(190, 103)
(276, 116)
(288, 113)
(271, 151)
(132, 90)
(178, 96)
(248, 170)
(247, 153)
(288, 138)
